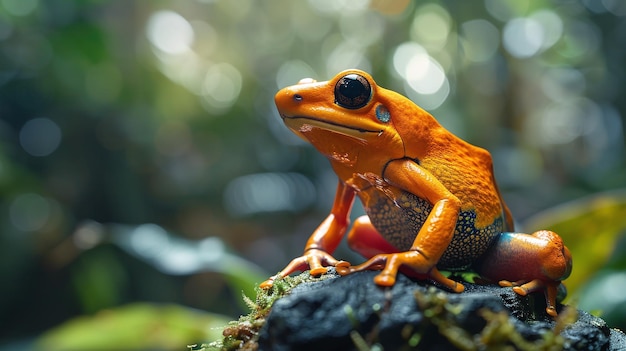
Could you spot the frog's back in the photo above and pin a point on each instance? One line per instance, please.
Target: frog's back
(467, 172)
(464, 169)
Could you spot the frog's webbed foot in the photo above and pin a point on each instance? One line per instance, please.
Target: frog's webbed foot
(549, 289)
(314, 259)
(389, 264)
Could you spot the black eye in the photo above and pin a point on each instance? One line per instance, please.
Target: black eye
(352, 91)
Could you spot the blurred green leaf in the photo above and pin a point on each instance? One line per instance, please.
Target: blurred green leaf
(162, 250)
(590, 227)
(99, 281)
(138, 326)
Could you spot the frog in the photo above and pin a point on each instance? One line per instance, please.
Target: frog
(430, 198)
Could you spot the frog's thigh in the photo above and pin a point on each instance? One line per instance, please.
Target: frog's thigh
(513, 257)
(366, 240)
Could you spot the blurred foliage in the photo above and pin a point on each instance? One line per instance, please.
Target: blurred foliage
(166, 252)
(162, 112)
(134, 327)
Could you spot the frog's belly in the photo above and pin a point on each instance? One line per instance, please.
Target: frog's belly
(400, 222)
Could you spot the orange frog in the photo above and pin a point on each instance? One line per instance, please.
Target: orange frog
(431, 198)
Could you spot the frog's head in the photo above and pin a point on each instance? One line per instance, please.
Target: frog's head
(352, 114)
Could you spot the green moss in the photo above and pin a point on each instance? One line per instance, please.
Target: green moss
(499, 332)
(242, 334)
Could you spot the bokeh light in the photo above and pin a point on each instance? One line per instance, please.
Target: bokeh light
(425, 78)
(221, 87)
(431, 26)
(292, 72)
(40, 136)
(29, 212)
(569, 119)
(523, 37)
(268, 192)
(170, 32)
(505, 10)
(480, 40)
(20, 7)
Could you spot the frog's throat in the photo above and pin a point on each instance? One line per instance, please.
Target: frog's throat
(303, 123)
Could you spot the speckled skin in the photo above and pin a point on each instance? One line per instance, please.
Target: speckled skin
(400, 221)
(431, 198)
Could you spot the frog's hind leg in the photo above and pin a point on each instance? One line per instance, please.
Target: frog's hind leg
(528, 263)
(366, 240)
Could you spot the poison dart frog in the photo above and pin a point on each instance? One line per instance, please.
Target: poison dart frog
(430, 198)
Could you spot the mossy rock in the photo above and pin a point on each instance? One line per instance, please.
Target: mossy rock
(352, 313)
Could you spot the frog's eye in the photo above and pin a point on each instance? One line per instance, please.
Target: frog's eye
(352, 91)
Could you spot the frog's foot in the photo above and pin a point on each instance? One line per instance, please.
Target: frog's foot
(391, 263)
(314, 259)
(549, 289)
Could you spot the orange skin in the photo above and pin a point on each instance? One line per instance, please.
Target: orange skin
(430, 197)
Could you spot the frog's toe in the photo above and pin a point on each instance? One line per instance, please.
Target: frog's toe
(343, 268)
(268, 283)
(531, 286)
(550, 295)
(551, 310)
(385, 279)
(520, 291)
(524, 287)
(508, 283)
(342, 264)
(316, 272)
(450, 284)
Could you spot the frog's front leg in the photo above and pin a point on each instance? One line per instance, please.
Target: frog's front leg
(528, 263)
(324, 240)
(433, 238)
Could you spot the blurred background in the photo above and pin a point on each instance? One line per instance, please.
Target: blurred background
(146, 179)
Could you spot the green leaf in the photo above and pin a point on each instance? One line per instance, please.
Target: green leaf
(139, 326)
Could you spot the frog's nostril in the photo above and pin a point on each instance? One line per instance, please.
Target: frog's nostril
(297, 97)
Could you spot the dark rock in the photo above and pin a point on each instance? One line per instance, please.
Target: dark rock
(341, 313)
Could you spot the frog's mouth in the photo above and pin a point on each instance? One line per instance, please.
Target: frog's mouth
(305, 123)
